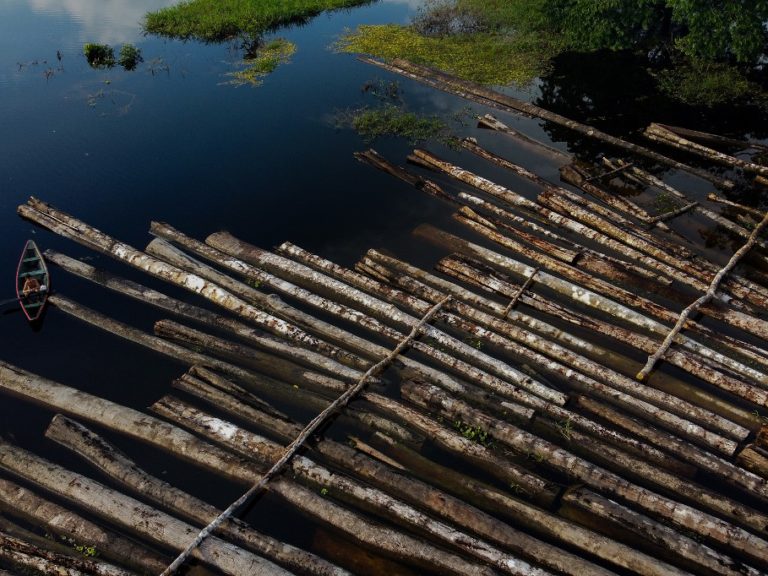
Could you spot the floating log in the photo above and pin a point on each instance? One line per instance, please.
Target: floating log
(458, 366)
(98, 452)
(713, 138)
(28, 556)
(250, 445)
(474, 91)
(58, 520)
(492, 123)
(184, 445)
(479, 274)
(741, 207)
(319, 359)
(659, 133)
(592, 299)
(711, 528)
(130, 514)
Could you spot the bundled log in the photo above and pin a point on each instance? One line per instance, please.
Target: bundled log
(251, 445)
(456, 365)
(607, 305)
(119, 467)
(184, 445)
(129, 513)
(65, 523)
(476, 92)
(659, 133)
(687, 517)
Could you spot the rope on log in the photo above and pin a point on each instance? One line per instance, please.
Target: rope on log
(296, 445)
(702, 300)
(521, 290)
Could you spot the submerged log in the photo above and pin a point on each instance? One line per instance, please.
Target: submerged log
(58, 520)
(496, 99)
(30, 557)
(490, 122)
(130, 514)
(98, 452)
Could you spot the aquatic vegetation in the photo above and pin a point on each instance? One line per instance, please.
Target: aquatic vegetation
(263, 61)
(99, 55)
(130, 57)
(702, 83)
(217, 20)
(391, 120)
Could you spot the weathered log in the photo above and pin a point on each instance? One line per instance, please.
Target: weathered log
(71, 228)
(753, 460)
(318, 359)
(454, 364)
(741, 207)
(713, 138)
(58, 520)
(505, 102)
(493, 281)
(696, 556)
(709, 527)
(592, 299)
(34, 558)
(659, 133)
(492, 123)
(278, 368)
(98, 452)
(384, 310)
(539, 521)
(184, 445)
(129, 513)
(251, 445)
(422, 495)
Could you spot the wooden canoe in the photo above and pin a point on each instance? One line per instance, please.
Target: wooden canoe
(32, 282)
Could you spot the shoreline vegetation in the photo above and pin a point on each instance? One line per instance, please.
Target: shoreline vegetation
(701, 55)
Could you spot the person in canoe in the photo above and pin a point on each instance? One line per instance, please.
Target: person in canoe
(33, 288)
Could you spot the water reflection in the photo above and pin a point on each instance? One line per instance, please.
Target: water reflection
(108, 21)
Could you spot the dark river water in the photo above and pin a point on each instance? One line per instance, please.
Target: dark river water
(173, 141)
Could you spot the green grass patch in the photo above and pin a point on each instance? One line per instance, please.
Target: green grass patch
(709, 84)
(263, 62)
(391, 120)
(99, 55)
(217, 20)
(486, 57)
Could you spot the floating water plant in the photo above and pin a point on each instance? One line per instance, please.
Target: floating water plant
(263, 62)
(130, 57)
(99, 55)
(391, 120)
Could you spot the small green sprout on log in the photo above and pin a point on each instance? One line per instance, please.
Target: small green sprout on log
(474, 433)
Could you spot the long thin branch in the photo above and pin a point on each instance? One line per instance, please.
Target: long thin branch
(296, 445)
(706, 297)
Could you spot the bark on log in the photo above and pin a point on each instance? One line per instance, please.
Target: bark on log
(713, 138)
(659, 133)
(316, 358)
(753, 460)
(338, 486)
(130, 514)
(589, 298)
(58, 520)
(35, 558)
(709, 527)
(495, 99)
(98, 452)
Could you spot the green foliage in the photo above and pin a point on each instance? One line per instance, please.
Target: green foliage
(130, 57)
(264, 61)
(99, 55)
(705, 83)
(217, 20)
(486, 57)
(391, 120)
(474, 433)
(87, 551)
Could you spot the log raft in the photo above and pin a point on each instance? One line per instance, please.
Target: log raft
(561, 463)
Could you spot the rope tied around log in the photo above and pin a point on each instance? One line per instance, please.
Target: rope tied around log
(706, 297)
(519, 293)
(299, 441)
